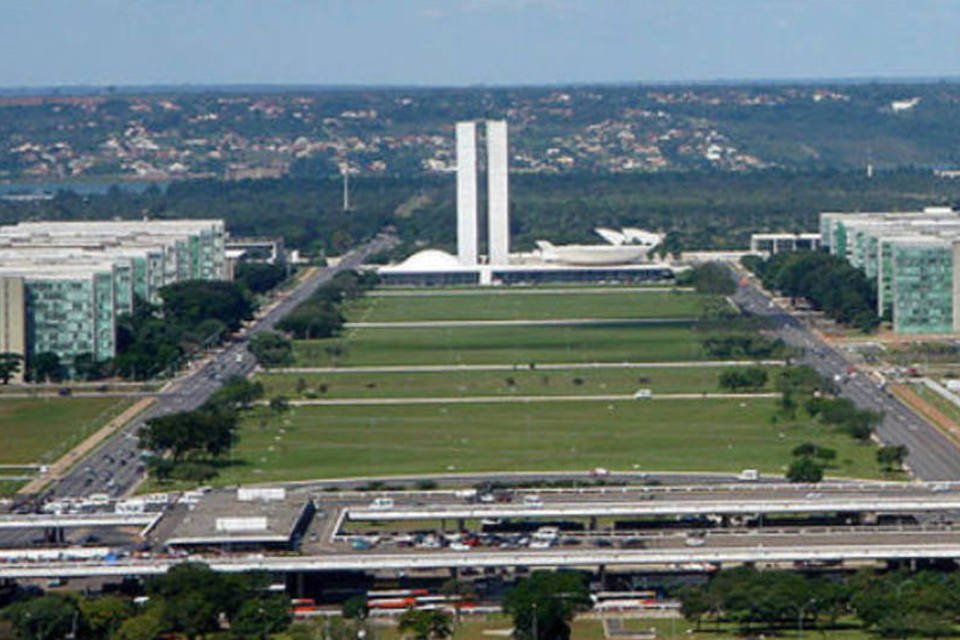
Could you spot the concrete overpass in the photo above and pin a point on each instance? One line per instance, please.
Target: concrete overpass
(659, 505)
(754, 547)
(84, 520)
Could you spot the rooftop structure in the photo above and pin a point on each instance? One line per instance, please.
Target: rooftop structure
(241, 519)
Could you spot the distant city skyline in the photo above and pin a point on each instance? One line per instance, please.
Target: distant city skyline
(48, 43)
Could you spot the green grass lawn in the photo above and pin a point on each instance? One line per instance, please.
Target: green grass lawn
(42, 429)
(506, 345)
(347, 384)
(707, 435)
(10, 487)
(949, 409)
(528, 306)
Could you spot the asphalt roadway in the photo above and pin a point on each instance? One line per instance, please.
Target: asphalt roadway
(933, 456)
(115, 468)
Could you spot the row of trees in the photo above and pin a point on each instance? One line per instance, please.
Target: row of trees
(320, 315)
(194, 314)
(190, 600)
(828, 282)
(743, 379)
(897, 604)
(188, 445)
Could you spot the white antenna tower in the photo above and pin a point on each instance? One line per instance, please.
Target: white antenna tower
(345, 171)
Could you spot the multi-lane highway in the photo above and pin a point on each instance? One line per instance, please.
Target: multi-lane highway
(114, 467)
(933, 456)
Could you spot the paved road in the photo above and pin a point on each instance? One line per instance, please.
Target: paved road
(114, 468)
(933, 456)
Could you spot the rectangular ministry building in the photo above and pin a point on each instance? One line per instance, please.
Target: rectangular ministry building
(63, 284)
(914, 258)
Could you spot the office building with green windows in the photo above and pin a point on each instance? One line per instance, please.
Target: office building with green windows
(64, 284)
(914, 258)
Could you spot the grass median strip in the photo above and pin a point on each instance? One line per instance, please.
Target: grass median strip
(503, 345)
(520, 306)
(346, 384)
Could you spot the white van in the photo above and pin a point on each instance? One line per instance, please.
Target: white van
(382, 503)
(640, 394)
(749, 475)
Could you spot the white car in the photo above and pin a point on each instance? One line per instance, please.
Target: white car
(532, 500)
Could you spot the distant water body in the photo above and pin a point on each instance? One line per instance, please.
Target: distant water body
(85, 188)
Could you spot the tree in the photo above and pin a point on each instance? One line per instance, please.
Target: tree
(10, 364)
(271, 349)
(210, 430)
(143, 626)
(546, 602)
(261, 617)
(712, 278)
(191, 302)
(237, 392)
(741, 378)
(355, 608)
(103, 615)
(46, 366)
(50, 617)
(426, 624)
(892, 457)
(260, 277)
(279, 404)
(195, 596)
(804, 470)
(86, 367)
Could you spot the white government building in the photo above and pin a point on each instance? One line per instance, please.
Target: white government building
(627, 255)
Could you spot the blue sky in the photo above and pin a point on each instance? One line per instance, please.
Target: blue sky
(465, 42)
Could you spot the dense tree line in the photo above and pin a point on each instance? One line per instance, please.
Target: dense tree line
(259, 277)
(320, 315)
(193, 315)
(711, 277)
(188, 445)
(698, 209)
(897, 604)
(189, 601)
(828, 282)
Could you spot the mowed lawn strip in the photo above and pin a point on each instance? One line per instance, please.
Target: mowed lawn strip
(504, 345)
(705, 435)
(519, 306)
(522, 382)
(40, 430)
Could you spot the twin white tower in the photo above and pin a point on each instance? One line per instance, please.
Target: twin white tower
(498, 216)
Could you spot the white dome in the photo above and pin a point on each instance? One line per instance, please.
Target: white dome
(430, 260)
